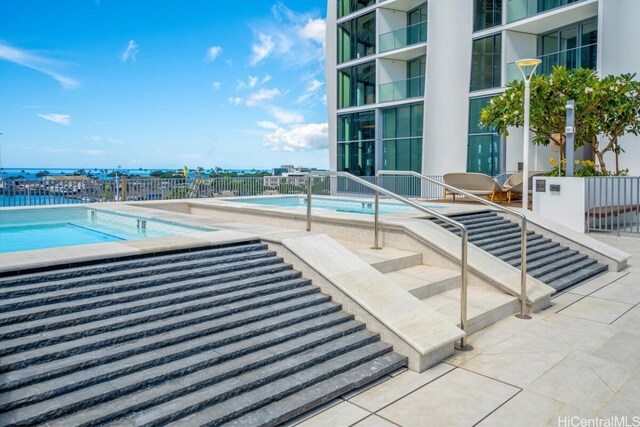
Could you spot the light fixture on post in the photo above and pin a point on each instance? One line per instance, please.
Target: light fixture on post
(522, 64)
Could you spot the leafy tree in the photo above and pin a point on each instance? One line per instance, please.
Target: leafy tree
(43, 174)
(605, 110)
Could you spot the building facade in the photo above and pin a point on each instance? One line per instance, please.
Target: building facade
(407, 79)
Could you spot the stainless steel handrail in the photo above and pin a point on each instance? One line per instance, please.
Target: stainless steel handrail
(523, 226)
(379, 190)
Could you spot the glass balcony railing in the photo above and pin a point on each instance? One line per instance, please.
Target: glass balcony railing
(581, 57)
(520, 9)
(402, 89)
(416, 33)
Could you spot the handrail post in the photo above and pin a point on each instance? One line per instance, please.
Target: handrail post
(464, 322)
(309, 202)
(376, 219)
(523, 272)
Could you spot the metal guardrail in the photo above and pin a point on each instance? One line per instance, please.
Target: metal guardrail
(612, 204)
(379, 190)
(523, 226)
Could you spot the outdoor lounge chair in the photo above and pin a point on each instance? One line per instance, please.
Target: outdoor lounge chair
(477, 184)
(227, 193)
(514, 183)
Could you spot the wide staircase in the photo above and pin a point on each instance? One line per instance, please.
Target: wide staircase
(224, 335)
(550, 262)
(437, 287)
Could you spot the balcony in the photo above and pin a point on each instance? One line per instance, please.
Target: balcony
(521, 9)
(580, 57)
(402, 89)
(403, 37)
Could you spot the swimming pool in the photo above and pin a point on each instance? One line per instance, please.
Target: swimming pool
(27, 229)
(331, 204)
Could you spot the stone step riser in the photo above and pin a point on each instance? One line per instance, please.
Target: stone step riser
(540, 260)
(194, 284)
(532, 251)
(274, 287)
(124, 275)
(303, 291)
(190, 369)
(436, 288)
(14, 280)
(152, 279)
(492, 245)
(287, 309)
(52, 324)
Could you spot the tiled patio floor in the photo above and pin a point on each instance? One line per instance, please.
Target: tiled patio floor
(579, 358)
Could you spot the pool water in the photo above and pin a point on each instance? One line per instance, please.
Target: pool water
(332, 204)
(28, 229)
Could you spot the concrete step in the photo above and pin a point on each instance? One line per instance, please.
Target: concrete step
(567, 259)
(512, 252)
(556, 272)
(485, 306)
(583, 275)
(496, 236)
(497, 244)
(539, 259)
(474, 217)
(479, 225)
(487, 228)
(385, 260)
(424, 281)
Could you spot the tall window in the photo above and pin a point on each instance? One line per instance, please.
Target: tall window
(486, 63)
(573, 47)
(357, 38)
(520, 9)
(488, 13)
(402, 137)
(357, 85)
(346, 7)
(356, 143)
(483, 151)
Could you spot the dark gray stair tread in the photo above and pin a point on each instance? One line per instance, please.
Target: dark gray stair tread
(223, 361)
(509, 226)
(474, 216)
(559, 263)
(88, 283)
(565, 271)
(493, 244)
(288, 311)
(480, 225)
(496, 235)
(292, 406)
(266, 319)
(304, 372)
(93, 343)
(58, 274)
(147, 284)
(582, 275)
(542, 258)
(183, 393)
(510, 252)
(163, 289)
(139, 311)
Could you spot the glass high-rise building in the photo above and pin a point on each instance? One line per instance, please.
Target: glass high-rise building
(407, 79)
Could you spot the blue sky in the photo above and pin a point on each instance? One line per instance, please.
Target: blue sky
(102, 83)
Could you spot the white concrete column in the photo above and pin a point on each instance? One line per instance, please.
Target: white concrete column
(331, 81)
(447, 86)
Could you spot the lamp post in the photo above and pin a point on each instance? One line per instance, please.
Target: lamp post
(522, 64)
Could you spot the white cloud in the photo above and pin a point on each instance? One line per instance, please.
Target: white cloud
(315, 30)
(267, 125)
(130, 52)
(311, 91)
(262, 95)
(36, 62)
(252, 81)
(213, 52)
(261, 49)
(286, 117)
(307, 137)
(61, 119)
(235, 100)
(216, 85)
(295, 38)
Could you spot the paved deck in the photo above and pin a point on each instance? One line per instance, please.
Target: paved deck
(579, 358)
